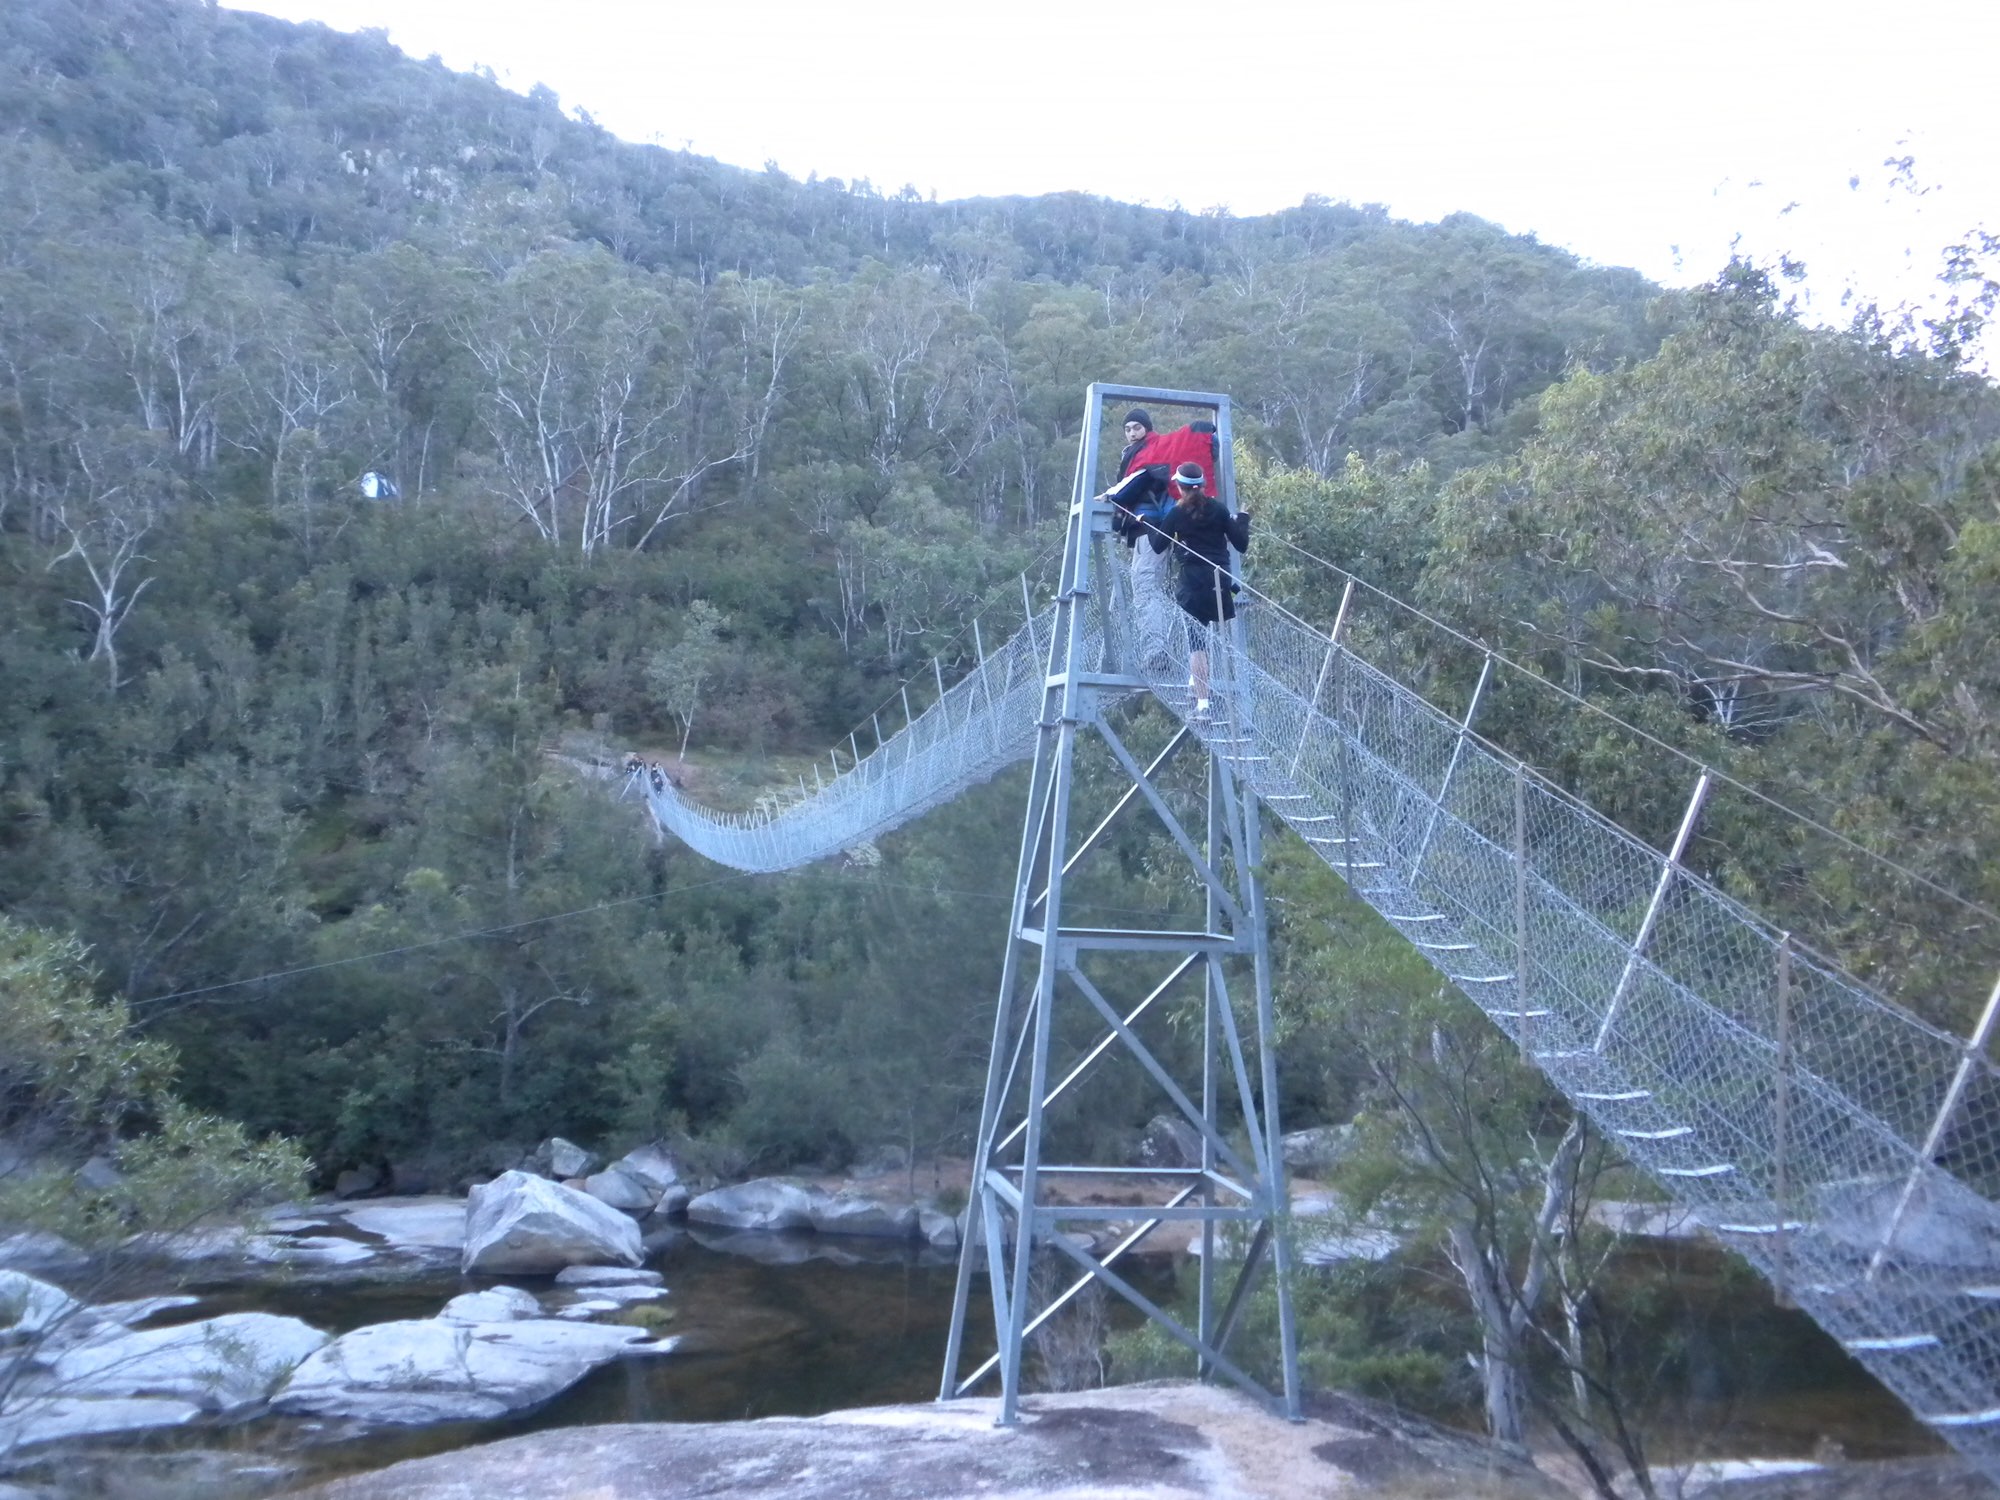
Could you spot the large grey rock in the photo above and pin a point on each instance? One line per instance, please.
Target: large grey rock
(219, 1364)
(230, 1242)
(36, 1250)
(1331, 1247)
(561, 1159)
(37, 1421)
(497, 1304)
(522, 1223)
(358, 1182)
(622, 1191)
(673, 1204)
(653, 1165)
(1940, 1223)
(1169, 1141)
(864, 1216)
(940, 1230)
(764, 1203)
(321, 1250)
(30, 1308)
(410, 1373)
(1310, 1152)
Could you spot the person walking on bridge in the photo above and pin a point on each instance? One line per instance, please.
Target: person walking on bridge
(1202, 531)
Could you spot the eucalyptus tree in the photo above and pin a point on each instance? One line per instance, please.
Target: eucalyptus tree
(596, 383)
(1778, 500)
(1461, 1144)
(117, 491)
(681, 674)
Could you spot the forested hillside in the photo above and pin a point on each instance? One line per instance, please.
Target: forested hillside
(687, 454)
(639, 408)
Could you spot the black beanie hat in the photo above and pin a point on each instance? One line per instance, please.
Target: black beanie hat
(1138, 414)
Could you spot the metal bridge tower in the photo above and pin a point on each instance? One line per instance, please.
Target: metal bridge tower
(1014, 1212)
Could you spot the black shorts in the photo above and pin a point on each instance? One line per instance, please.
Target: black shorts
(1199, 595)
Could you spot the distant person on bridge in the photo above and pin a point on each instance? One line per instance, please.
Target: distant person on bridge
(1201, 531)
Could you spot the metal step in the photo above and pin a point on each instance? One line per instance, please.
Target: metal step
(1896, 1341)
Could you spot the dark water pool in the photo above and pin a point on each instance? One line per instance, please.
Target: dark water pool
(757, 1339)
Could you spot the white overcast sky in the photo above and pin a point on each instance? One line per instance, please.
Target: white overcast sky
(1645, 133)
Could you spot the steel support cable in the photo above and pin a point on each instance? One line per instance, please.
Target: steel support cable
(1797, 1118)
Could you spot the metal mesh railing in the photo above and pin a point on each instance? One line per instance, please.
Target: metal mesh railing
(976, 728)
(1799, 1114)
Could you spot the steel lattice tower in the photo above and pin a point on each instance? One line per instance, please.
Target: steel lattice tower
(1239, 1184)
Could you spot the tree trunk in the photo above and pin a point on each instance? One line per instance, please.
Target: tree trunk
(1500, 1355)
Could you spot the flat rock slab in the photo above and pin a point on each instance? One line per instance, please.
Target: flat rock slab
(33, 1250)
(218, 1364)
(323, 1250)
(411, 1223)
(1156, 1442)
(412, 1372)
(35, 1420)
(607, 1276)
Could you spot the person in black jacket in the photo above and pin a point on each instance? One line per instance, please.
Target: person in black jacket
(1137, 486)
(1201, 532)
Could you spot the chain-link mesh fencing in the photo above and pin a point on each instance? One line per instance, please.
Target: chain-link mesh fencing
(978, 727)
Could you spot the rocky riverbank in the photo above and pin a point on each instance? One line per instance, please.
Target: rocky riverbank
(1150, 1442)
(75, 1371)
(1160, 1441)
(513, 1296)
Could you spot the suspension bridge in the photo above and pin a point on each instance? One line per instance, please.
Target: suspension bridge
(1799, 1115)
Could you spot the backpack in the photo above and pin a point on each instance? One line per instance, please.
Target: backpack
(1194, 443)
(1142, 495)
